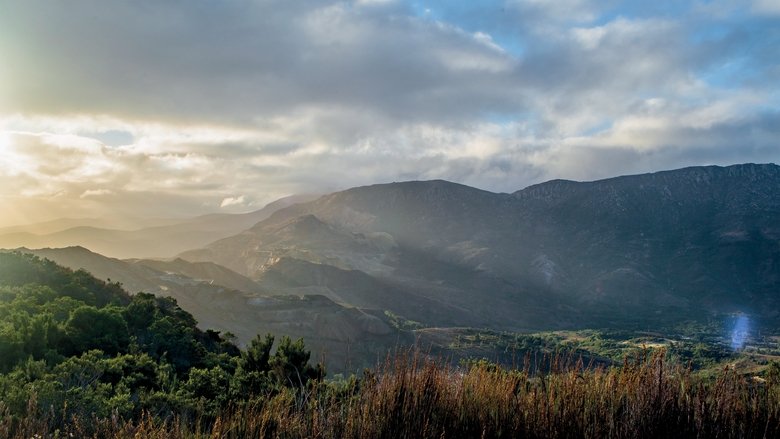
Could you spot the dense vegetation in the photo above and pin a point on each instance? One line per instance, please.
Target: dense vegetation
(74, 347)
(81, 358)
(411, 396)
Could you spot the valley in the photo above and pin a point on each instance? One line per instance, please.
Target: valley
(364, 271)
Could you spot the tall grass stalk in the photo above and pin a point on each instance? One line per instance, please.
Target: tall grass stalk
(413, 396)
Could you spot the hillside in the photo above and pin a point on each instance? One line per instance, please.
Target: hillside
(643, 249)
(356, 272)
(345, 337)
(90, 349)
(161, 238)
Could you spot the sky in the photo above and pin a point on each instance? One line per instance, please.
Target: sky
(173, 108)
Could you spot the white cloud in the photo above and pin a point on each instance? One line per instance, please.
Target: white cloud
(95, 193)
(232, 201)
(374, 2)
(767, 7)
(270, 98)
(590, 38)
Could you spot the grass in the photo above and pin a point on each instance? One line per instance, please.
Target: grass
(411, 395)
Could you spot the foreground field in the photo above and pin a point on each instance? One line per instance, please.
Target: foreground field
(411, 396)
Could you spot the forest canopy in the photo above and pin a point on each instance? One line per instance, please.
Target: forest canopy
(77, 346)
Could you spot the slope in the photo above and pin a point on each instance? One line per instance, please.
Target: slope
(345, 337)
(637, 249)
(156, 241)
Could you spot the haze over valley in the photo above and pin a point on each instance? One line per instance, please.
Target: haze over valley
(358, 272)
(389, 218)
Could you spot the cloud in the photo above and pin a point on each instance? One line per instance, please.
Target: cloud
(232, 201)
(769, 7)
(374, 2)
(196, 103)
(95, 193)
(235, 62)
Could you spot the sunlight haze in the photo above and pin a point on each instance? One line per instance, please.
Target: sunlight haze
(172, 109)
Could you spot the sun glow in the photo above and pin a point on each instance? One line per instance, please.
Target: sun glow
(8, 212)
(8, 160)
(5, 142)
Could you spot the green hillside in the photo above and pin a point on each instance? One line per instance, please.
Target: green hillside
(72, 346)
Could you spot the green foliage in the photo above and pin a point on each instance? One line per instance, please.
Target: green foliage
(253, 368)
(402, 323)
(73, 347)
(413, 396)
(290, 364)
(257, 354)
(18, 269)
(93, 328)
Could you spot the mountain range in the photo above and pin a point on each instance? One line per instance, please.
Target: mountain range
(364, 268)
(134, 238)
(656, 246)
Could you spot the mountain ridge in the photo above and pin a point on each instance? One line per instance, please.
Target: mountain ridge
(674, 242)
(159, 240)
(637, 252)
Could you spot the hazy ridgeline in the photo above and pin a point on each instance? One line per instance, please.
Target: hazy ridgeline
(414, 396)
(359, 271)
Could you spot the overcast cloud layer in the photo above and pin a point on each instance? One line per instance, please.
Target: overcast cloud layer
(175, 108)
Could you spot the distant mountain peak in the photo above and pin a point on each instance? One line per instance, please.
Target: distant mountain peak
(684, 179)
(413, 188)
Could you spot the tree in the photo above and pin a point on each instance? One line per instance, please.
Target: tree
(176, 341)
(290, 364)
(11, 347)
(252, 372)
(257, 354)
(93, 328)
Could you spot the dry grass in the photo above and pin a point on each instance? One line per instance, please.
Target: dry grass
(411, 396)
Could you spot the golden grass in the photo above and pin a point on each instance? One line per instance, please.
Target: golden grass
(411, 396)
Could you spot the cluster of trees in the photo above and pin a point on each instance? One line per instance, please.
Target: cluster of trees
(77, 346)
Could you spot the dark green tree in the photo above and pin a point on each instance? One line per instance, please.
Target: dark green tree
(290, 364)
(252, 374)
(93, 328)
